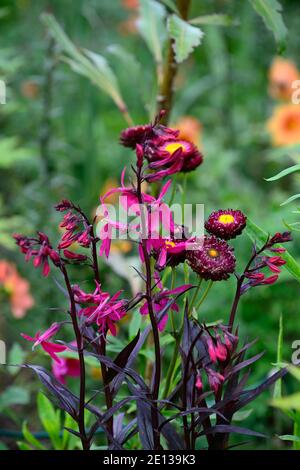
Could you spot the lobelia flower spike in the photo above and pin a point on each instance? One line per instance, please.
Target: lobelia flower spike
(254, 271)
(76, 227)
(40, 250)
(42, 339)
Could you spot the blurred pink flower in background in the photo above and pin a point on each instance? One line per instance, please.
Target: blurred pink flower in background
(17, 289)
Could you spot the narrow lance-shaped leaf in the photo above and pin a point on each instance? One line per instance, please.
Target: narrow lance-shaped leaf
(86, 63)
(215, 19)
(278, 384)
(186, 37)
(287, 171)
(290, 199)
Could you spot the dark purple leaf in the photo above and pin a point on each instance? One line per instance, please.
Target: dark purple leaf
(122, 358)
(242, 365)
(66, 400)
(250, 395)
(226, 429)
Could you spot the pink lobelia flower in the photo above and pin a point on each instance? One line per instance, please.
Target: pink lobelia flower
(155, 211)
(67, 367)
(215, 379)
(42, 339)
(105, 310)
(160, 301)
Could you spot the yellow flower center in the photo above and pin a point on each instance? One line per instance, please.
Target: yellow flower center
(170, 244)
(172, 147)
(213, 253)
(226, 219)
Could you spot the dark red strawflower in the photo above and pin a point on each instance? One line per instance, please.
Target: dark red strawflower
(132, 136)
(140, 134)
(213, 260)
(173, 155)
(226, 224)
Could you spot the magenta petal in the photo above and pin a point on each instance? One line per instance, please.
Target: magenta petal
(162, 324)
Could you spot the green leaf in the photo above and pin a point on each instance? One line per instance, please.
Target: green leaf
(30, 438)
(256, 234)
(135, 324)
(290, 199)
(214, 20)
(186, 37)
(295, 371)
(242, 415)
(287, 403)
(171, 5)
(270, 11)
(278, 384)
(152, 27)
(287, 171)
(24, 446)
(86, 63)
(289, 437)
(16, 356)
(50, 419)
(11, 154)
(69, 441)
(13, 396)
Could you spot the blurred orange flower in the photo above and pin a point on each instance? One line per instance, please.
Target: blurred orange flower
(282, 74)
(121, 246)
(190, 129)
(128, 26)
(30, 89)
(130, 4)
(17, 288)
(284, 125)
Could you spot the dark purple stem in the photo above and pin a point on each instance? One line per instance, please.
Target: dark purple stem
(157, 376)
(239, 285)
(102, 344)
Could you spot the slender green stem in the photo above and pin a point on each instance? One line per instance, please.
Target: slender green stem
(194, 298)
(173, 280)
(205, 294)
(173, 191)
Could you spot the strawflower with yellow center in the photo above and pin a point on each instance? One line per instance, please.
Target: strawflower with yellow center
(226, 224)
(214, 260)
